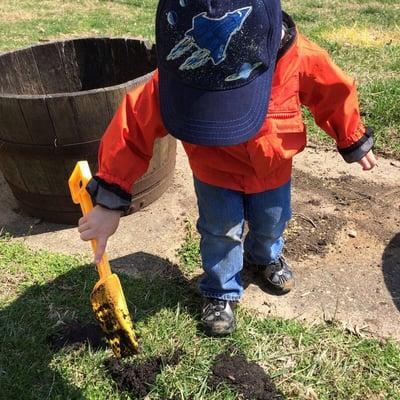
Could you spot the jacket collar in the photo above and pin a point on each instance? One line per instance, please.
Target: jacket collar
(290, 33)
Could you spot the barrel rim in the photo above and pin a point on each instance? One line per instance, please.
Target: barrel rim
(149, 45)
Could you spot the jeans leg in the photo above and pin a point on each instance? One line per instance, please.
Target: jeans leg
(267, 214)
(220, 224)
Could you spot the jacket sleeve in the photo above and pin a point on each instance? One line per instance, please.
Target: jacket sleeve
(127, 146)
(331, 96)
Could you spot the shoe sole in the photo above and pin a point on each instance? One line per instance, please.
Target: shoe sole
(219, 332)
(283, 289)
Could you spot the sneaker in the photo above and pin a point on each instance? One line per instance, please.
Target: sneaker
(279, 276)
(217, 317)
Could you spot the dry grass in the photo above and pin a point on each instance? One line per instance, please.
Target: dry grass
(29, 10)
(10, 279)
(363, 37)
(14, 15)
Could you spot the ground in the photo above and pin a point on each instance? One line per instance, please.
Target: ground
(343, 241)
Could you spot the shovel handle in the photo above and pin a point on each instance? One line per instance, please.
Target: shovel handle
(77, 182)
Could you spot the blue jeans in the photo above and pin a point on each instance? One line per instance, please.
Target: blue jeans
(222, 213)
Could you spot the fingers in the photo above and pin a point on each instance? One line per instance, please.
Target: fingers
(100, 249)
(83, 227)
(368, 161)
(366, 165)
(99, 224)
(88, 234)
(372, 160)
(83, 224)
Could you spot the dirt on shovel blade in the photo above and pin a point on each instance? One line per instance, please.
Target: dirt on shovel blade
(74, 334)
(137, 379)
(247, 378)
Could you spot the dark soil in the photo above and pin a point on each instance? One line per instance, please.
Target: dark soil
(325, 205)
(248, 378)
(311, 233)
(137, 379)
(74, 334)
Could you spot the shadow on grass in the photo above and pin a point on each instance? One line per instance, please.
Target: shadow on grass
(391, 269)
(30, 325)
(27, 322)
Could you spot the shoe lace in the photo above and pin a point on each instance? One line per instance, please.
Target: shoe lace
(217, 305)
(276, 266)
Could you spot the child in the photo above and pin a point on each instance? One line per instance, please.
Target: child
(231, 77)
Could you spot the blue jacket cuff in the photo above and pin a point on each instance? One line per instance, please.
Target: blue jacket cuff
(108, 195)
(359, 149)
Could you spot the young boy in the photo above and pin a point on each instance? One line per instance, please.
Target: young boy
(231, 77)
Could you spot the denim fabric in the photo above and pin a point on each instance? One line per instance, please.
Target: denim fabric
(222, 213)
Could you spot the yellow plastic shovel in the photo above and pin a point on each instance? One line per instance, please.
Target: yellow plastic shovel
(107, 298)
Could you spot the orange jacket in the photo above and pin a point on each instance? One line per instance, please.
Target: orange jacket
(304, 75)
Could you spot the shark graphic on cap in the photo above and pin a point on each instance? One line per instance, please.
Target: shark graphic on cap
(210, 37)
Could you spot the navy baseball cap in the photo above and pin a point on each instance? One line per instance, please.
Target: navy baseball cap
(216, 59)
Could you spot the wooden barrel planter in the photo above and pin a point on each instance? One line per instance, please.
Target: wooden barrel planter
(56, 100)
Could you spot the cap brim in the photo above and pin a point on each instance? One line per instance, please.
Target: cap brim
(214, 118)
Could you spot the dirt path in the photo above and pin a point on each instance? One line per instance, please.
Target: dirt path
(343, 242)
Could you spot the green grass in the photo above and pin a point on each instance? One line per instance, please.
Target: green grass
(23, 22)
(39, 291)
(189, 252)
(363, 38)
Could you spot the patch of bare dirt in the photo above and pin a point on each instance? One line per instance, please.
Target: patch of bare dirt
(325, 205)
(311, 234)
(342, 243)
(138, 378)
(247, 378)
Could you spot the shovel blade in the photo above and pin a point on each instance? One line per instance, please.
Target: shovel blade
(109, 306)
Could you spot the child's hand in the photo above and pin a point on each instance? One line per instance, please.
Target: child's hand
(99, 224)
(368, 161)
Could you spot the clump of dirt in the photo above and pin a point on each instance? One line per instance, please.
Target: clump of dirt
(74, 334)
(248, 378)
(311, 234)
(368, 206)
(137, 379)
